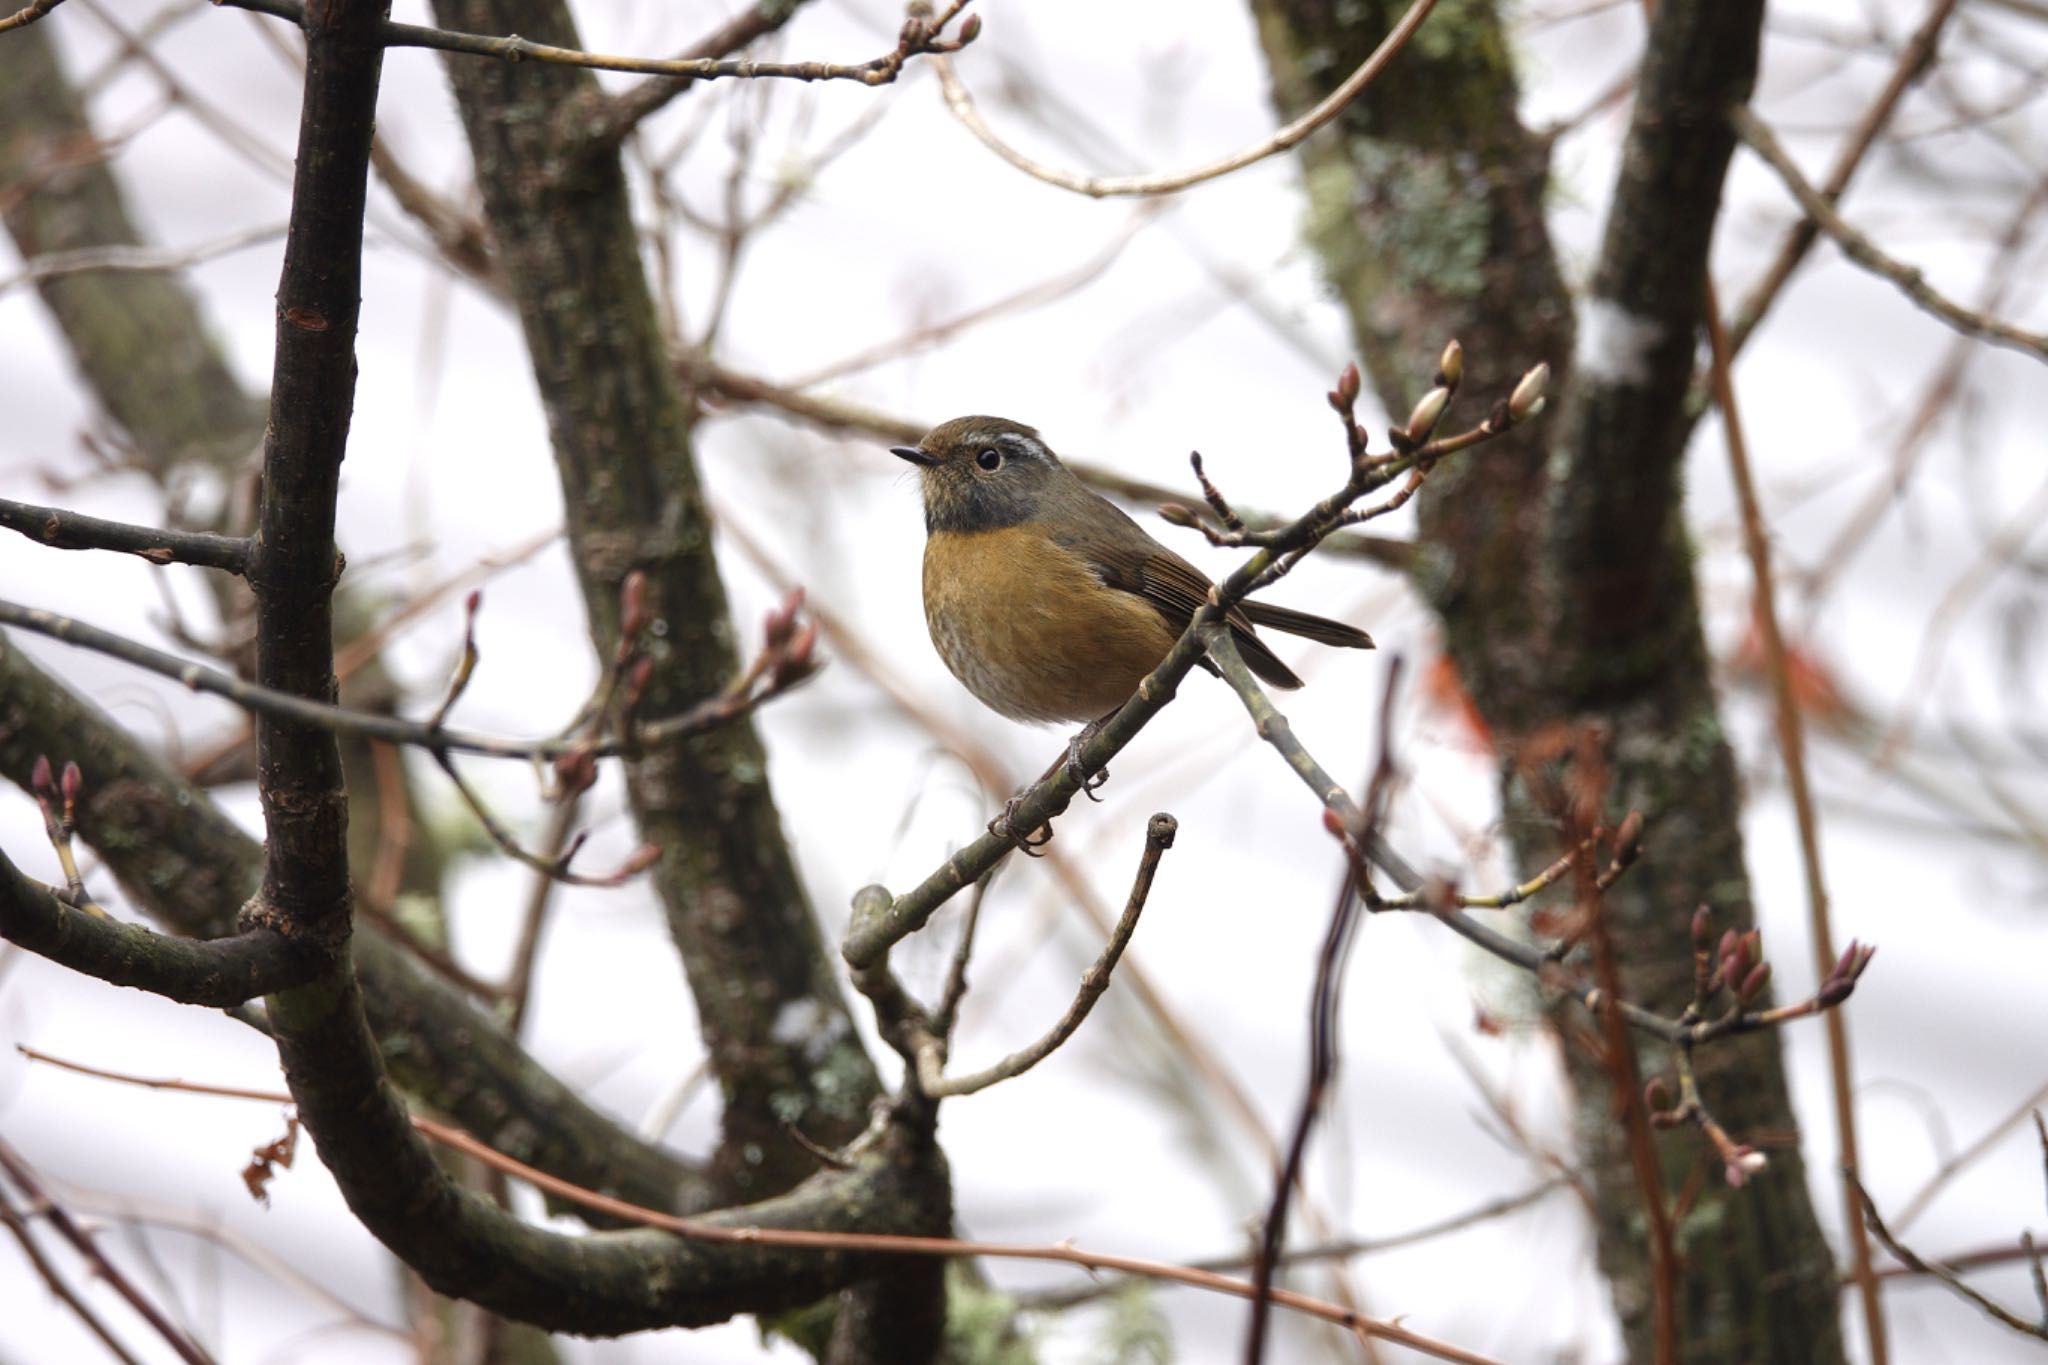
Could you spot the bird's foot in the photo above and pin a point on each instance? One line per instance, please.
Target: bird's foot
(1004, 826)
(1087, 781)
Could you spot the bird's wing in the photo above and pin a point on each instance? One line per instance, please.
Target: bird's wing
(1125, 557)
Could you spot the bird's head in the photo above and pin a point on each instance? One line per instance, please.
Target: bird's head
(981, 473)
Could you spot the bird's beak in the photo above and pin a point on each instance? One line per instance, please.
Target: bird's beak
(915, 454)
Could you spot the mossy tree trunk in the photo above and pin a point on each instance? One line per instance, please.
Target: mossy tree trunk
(1557, 559)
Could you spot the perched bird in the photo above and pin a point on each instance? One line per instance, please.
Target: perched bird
(1044, 598)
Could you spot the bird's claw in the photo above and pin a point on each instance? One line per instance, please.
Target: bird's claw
(1004, 826)
(1084, 779)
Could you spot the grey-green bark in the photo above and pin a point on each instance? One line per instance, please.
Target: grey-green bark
(1557, 558)
(781, 1042)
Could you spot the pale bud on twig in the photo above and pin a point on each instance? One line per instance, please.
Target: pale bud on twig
(1427, 414)
(1450, 369)
(1175, 514)
(1527, 399)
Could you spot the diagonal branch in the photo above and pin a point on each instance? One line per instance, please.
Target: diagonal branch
(1159, 832)
(1866, 253)
(1101, 187)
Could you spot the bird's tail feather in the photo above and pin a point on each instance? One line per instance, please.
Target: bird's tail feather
(1262, 660)
(1317, 628)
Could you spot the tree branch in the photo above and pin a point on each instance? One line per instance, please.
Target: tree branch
(1100, 187)
(65, 530)
(1757, 136)
(513, 48)
(1159, 832)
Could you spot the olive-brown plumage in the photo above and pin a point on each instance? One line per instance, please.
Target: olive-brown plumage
(1045, 599)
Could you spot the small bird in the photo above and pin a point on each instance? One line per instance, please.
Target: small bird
(1044, 598)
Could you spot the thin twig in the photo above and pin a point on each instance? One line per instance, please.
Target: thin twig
(1346, 1249)
(1099, 187)
(1030, 296)
(28, 14)
(1860, 249)
(947, 1012)
(1913, 62)
(706, 715)
(745, 1235)
(1159, 832)
(40, 1204)
(1957, 1164)
(518, 990)
(1324, 999)
(124, 257)
(1792, 752)
(1998, 1312)
(66, 530)
(11, 1219)
(512, 48)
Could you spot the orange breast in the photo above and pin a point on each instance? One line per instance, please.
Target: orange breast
(1031, 630)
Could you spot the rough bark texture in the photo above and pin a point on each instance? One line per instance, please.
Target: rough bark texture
(781, 1041)
(1558, 560)
(176, 402)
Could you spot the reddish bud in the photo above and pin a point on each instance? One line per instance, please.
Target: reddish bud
(1730, 941)
(799, 651)
(473, 601)
(970, 30)
(1333, 822)
(39, 777)
(73, 783)
(1629, 837)
(1702, 927)
(1656, 1093)
(633, 604)
(637, 679)
(1752, 984)
(576, 772)
(1348, 384)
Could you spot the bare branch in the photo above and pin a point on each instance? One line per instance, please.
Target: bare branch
(52, 265)
(512, 48)
(1913, 63)
(1996, 1311)
(65, 530)
(28, 14)
(1100, 187)
(1159, 832)
(42, 1205)
(706, 715)
(1792, 750)
(1866, 253)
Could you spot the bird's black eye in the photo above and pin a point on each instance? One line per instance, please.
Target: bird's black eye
(990, 459)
